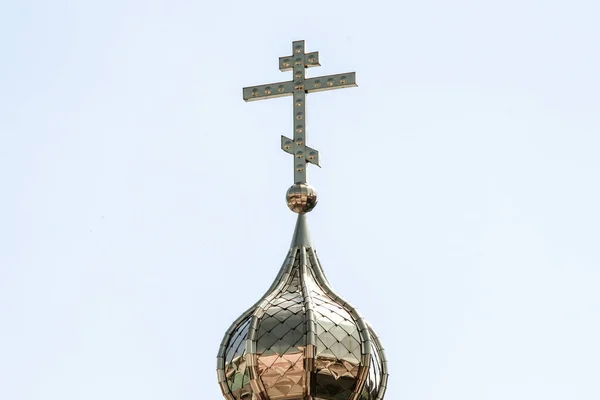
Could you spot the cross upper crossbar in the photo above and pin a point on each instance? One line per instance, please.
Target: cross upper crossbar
(280, 89)
(299, 87)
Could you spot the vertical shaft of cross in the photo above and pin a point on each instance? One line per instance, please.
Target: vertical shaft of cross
(299, 112)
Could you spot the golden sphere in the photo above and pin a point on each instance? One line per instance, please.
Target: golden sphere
(301, 198)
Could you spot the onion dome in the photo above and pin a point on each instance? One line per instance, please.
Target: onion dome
(301, 340)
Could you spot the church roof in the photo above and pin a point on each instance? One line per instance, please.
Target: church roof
(301, 340)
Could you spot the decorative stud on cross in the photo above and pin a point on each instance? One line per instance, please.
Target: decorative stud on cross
(299, 87)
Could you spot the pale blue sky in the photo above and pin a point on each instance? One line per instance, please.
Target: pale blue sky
(142, 206)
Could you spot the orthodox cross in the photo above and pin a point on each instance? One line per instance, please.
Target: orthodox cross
(298, 88)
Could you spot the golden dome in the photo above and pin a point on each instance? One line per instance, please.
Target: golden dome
(301, 340)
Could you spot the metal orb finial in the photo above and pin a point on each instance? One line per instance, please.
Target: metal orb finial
(301, 198)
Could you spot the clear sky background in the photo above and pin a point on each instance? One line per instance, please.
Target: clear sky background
(142, 204)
